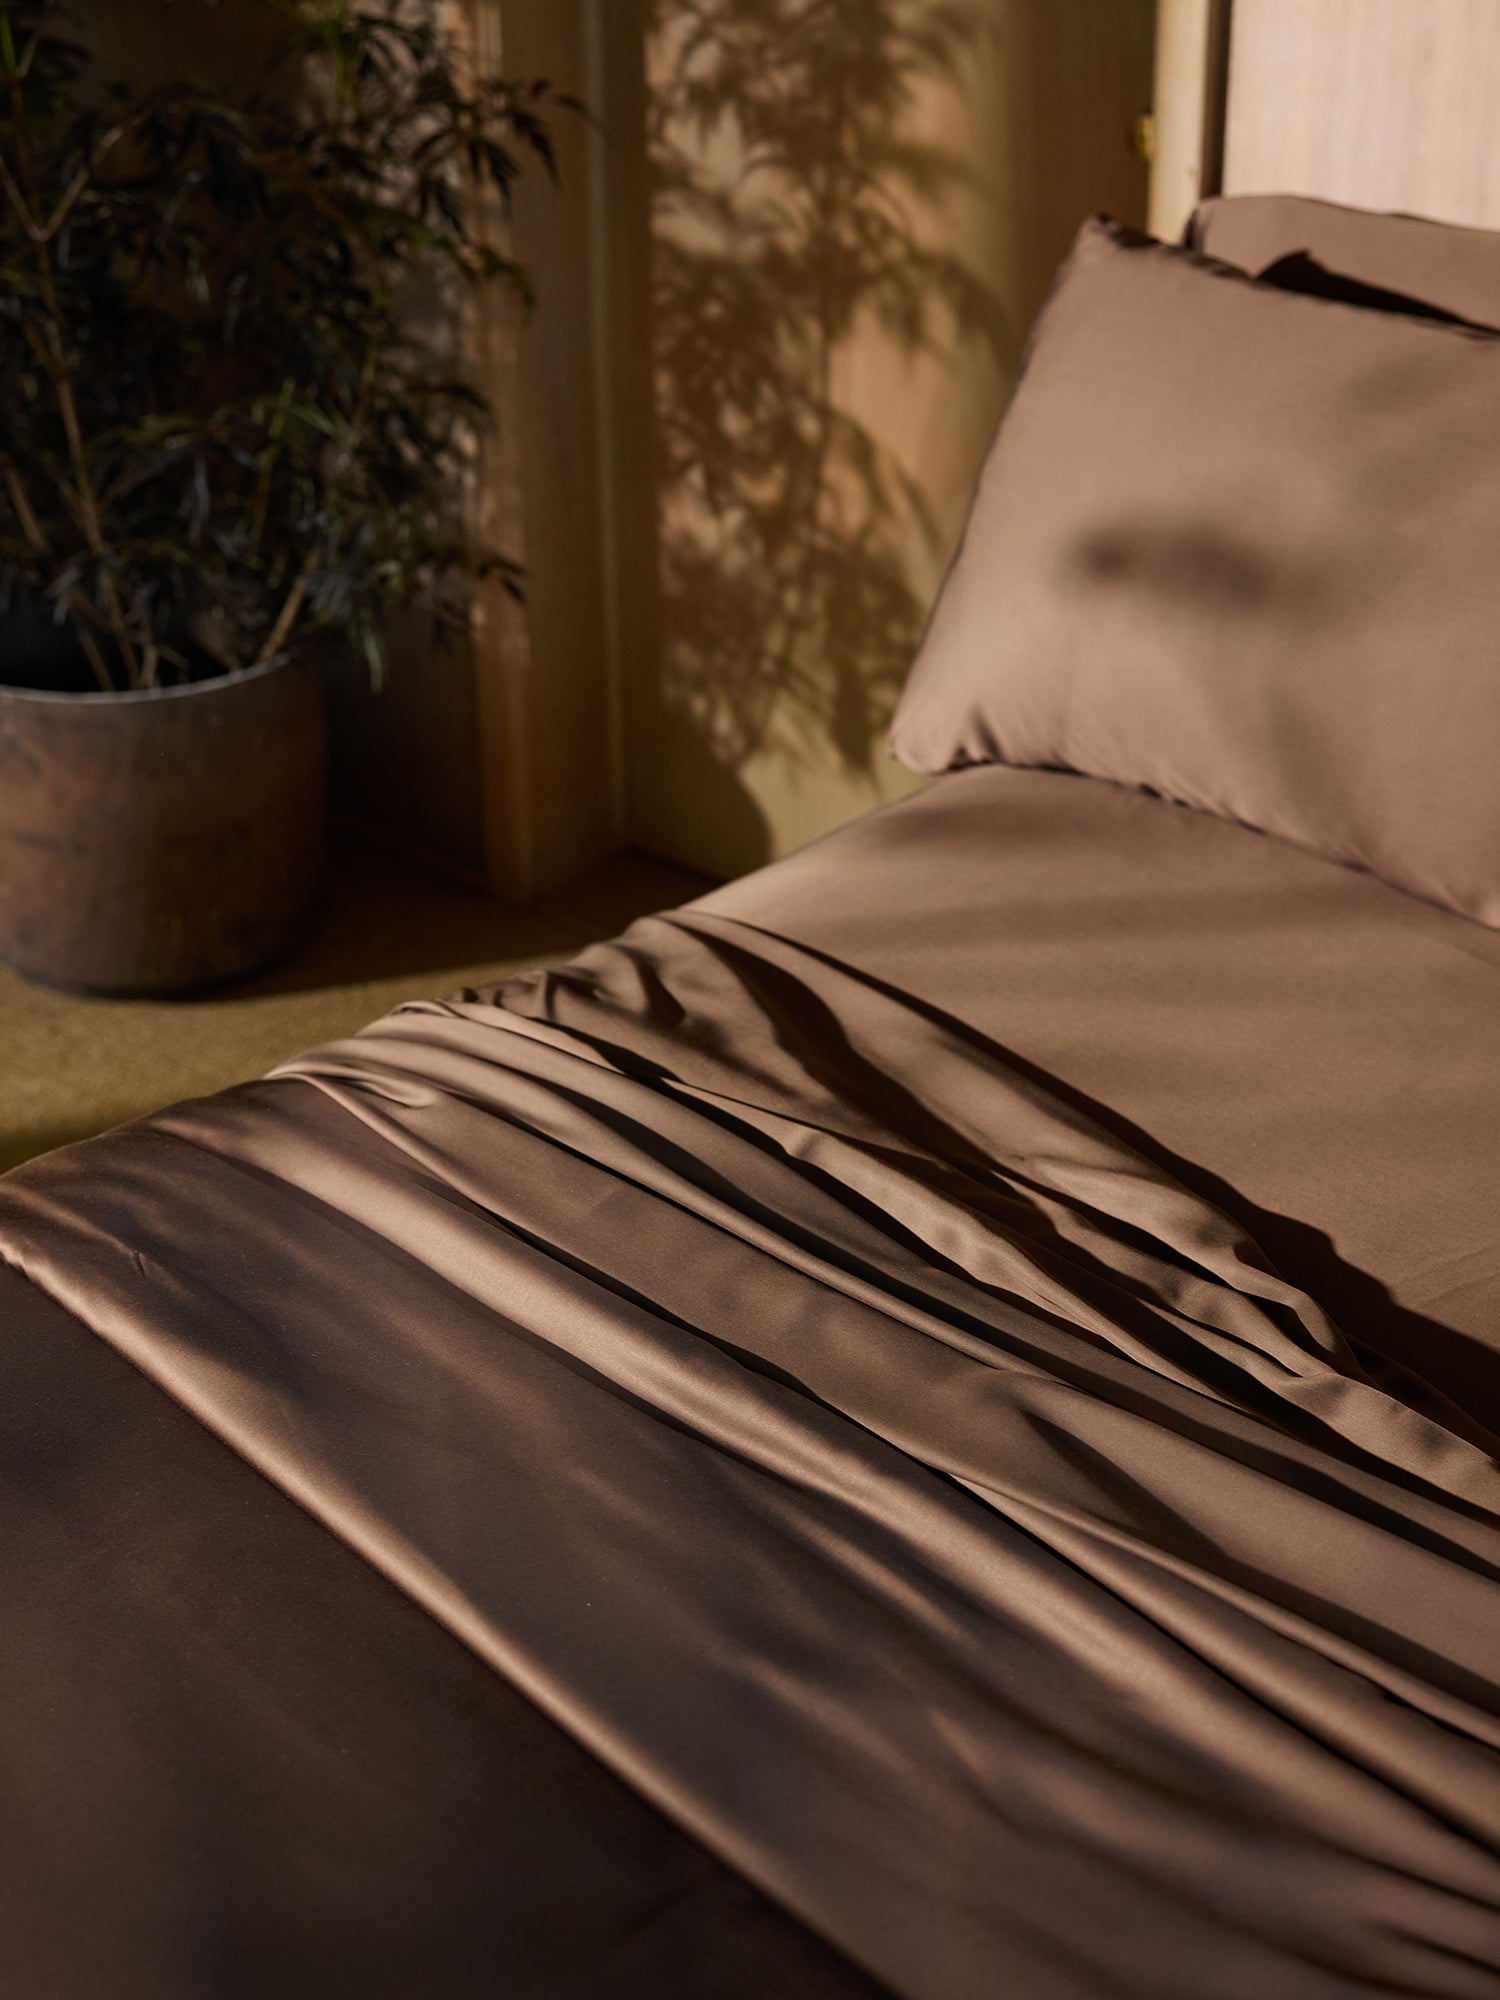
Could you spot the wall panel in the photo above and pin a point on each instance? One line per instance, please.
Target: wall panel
(1391, 104)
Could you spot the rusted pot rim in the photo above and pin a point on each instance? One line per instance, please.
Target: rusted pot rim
(237, 679)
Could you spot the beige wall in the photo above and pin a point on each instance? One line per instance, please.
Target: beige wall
(1373, 102)
(840, 295)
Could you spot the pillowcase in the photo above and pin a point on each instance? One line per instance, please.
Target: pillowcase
(1242, 547)
(1397, 262)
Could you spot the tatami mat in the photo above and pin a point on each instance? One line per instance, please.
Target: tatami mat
(394, 930)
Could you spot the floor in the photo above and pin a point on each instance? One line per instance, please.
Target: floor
(394, 930)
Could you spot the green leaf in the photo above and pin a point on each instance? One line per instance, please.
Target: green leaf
(231, 307)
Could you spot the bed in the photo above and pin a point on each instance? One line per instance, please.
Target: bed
(924, 1424)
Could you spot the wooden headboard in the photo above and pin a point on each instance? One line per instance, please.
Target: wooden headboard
(1391, 104)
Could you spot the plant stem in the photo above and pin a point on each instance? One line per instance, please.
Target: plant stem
(54, 361)
(93, 529)
(94, 657)
(16, 199)
(31, 528)
(25, 513)
(287, 616)
(81, 180)
(292, 603)
(43, 232)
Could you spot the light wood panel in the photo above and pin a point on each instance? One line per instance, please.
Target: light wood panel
(1187, 110)
(551, 803)
(1386, 104)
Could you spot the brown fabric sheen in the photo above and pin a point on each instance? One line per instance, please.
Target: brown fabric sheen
(1236, 545)
(1305, 1046)
(236, 1761)
(1441, 264)
(909, 1486)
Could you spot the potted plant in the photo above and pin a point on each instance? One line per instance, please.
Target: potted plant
(225, 438)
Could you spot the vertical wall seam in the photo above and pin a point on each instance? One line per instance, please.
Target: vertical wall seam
(604, 330)
(503, 633)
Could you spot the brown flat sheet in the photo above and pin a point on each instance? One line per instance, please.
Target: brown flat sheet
(237, 1763)
(910, 1488)
(1309, 1048)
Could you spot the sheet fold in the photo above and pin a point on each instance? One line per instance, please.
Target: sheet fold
(952, 1521)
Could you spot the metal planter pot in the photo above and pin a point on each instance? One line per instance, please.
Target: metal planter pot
(156, 842)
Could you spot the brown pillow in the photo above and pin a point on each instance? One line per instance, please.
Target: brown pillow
(1400, 262)
(1242, 547)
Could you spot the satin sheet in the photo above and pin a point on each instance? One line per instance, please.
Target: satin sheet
(1305, 1046)
(235, 1760)
(914, 1491)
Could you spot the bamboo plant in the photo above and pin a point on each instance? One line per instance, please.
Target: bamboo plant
(224, 427)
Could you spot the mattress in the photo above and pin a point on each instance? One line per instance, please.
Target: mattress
(940, 1387)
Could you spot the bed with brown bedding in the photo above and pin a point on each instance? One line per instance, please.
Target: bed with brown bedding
(924, 1424)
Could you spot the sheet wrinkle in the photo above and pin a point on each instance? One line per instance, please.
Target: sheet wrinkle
(1114, 1161)
(834, 1276)
(784, 1244)
(939, 1648)
(778, 1235)
(1213, 1243)
(1393, 1374)
(549, 979)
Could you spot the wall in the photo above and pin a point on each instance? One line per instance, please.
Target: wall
(1373, 102)
(855, 208)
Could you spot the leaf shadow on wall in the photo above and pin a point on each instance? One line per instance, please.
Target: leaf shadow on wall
(790, 186)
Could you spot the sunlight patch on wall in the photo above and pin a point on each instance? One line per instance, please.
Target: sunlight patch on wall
(813, 291)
